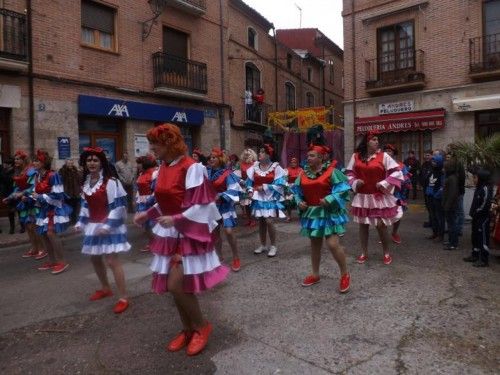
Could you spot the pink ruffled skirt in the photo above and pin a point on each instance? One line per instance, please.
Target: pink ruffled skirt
(374, 209)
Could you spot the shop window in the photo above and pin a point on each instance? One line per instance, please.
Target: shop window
(290, 96)
(396, 48)
(98, 25)
(309, 99)
(101, 132)
(252, 38)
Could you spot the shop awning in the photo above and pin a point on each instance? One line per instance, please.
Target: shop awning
(478, 103)
(401, 122)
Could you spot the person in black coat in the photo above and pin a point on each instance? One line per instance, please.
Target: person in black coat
(6, 188)
(480, 213)
(425, 172)
(451, 195)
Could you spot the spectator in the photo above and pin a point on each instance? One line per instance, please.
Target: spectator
(425, 172)
(126, 174)
(450, 202)
(413, 166)
(6, 188)
(434, 191)
(480, 213)
(72, 181)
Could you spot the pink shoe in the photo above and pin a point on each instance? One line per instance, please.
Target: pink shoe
(387, 259)
(362, 258)
(396, 238)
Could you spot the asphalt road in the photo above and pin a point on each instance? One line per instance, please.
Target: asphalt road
(428, 312)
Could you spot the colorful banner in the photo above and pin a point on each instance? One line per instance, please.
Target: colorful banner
(306, 118)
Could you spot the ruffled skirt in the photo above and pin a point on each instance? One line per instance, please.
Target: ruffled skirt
(56, 220)
(317, 221)
(114, 242)
(201, 265)
(374, 209)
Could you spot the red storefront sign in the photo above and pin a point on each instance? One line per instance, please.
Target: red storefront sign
(401, 122)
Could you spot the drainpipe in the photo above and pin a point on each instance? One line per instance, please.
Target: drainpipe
(275, 68)
(324, 74)
(353, 73)
(222, 77)
(30, 80)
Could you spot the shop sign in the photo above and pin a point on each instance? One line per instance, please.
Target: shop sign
(124, 109)
(424, 120)
(64, 148)
(396, 107)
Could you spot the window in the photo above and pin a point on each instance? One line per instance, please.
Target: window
(309, 74)
(290, 96)
(331, 71)
(252, 38)
(309, 99)
(491, 29)
(288, 61)
(396, 48)
(175, 45)
(252, 74)
(98, 25)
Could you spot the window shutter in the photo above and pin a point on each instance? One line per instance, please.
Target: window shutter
(98, 17)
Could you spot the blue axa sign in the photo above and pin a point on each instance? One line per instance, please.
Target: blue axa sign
(118, 108)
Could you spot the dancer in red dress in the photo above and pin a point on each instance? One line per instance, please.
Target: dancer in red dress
(185, 261)
(373, 175)
(292, 172)
(53, 212)
(102, 219)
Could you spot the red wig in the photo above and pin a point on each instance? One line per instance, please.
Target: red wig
(168, 135)
(21, 154)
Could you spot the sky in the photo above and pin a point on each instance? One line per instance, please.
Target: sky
(322, 14)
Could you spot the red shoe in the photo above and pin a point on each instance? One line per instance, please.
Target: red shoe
(396, 238)
(345, 282)
(145, 249)
(40, 255)
(199, 340)
(46, 266)
(236, 265)
(253, 223)
(100, 294)
(120, 306)
(59, 267)
(179, 341)
(29, 254)
(362, 258)
(310, 280)
(387, 259)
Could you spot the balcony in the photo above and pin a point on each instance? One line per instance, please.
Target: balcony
(194, 7)
(256, 115)
(395, 73)
(180, 77)
(484, 57)
(13, 41)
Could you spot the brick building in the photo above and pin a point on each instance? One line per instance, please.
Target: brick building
(102, 72)
(423, 73)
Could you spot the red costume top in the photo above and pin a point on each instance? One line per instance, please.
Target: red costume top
(293, 173)
(259, 180)
(21, 180)
(43, 185)
(371, 172)
(98, 204)
(144, 182)
(244, 167)
(219, 183)
(315, 189)
(171, 186)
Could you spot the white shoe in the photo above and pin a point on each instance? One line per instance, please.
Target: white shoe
(260, 249)
(272, 251)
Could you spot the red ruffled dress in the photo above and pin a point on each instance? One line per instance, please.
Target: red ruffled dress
(371, 205)
(184, 192)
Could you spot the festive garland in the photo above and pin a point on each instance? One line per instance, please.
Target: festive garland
(307, 119)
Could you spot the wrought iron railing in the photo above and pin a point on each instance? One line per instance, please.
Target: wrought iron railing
(257, 112)
(407, 66)
(179, 73)
(13, 35)
(484, 53)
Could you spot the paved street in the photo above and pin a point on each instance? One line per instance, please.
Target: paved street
(428, 312)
